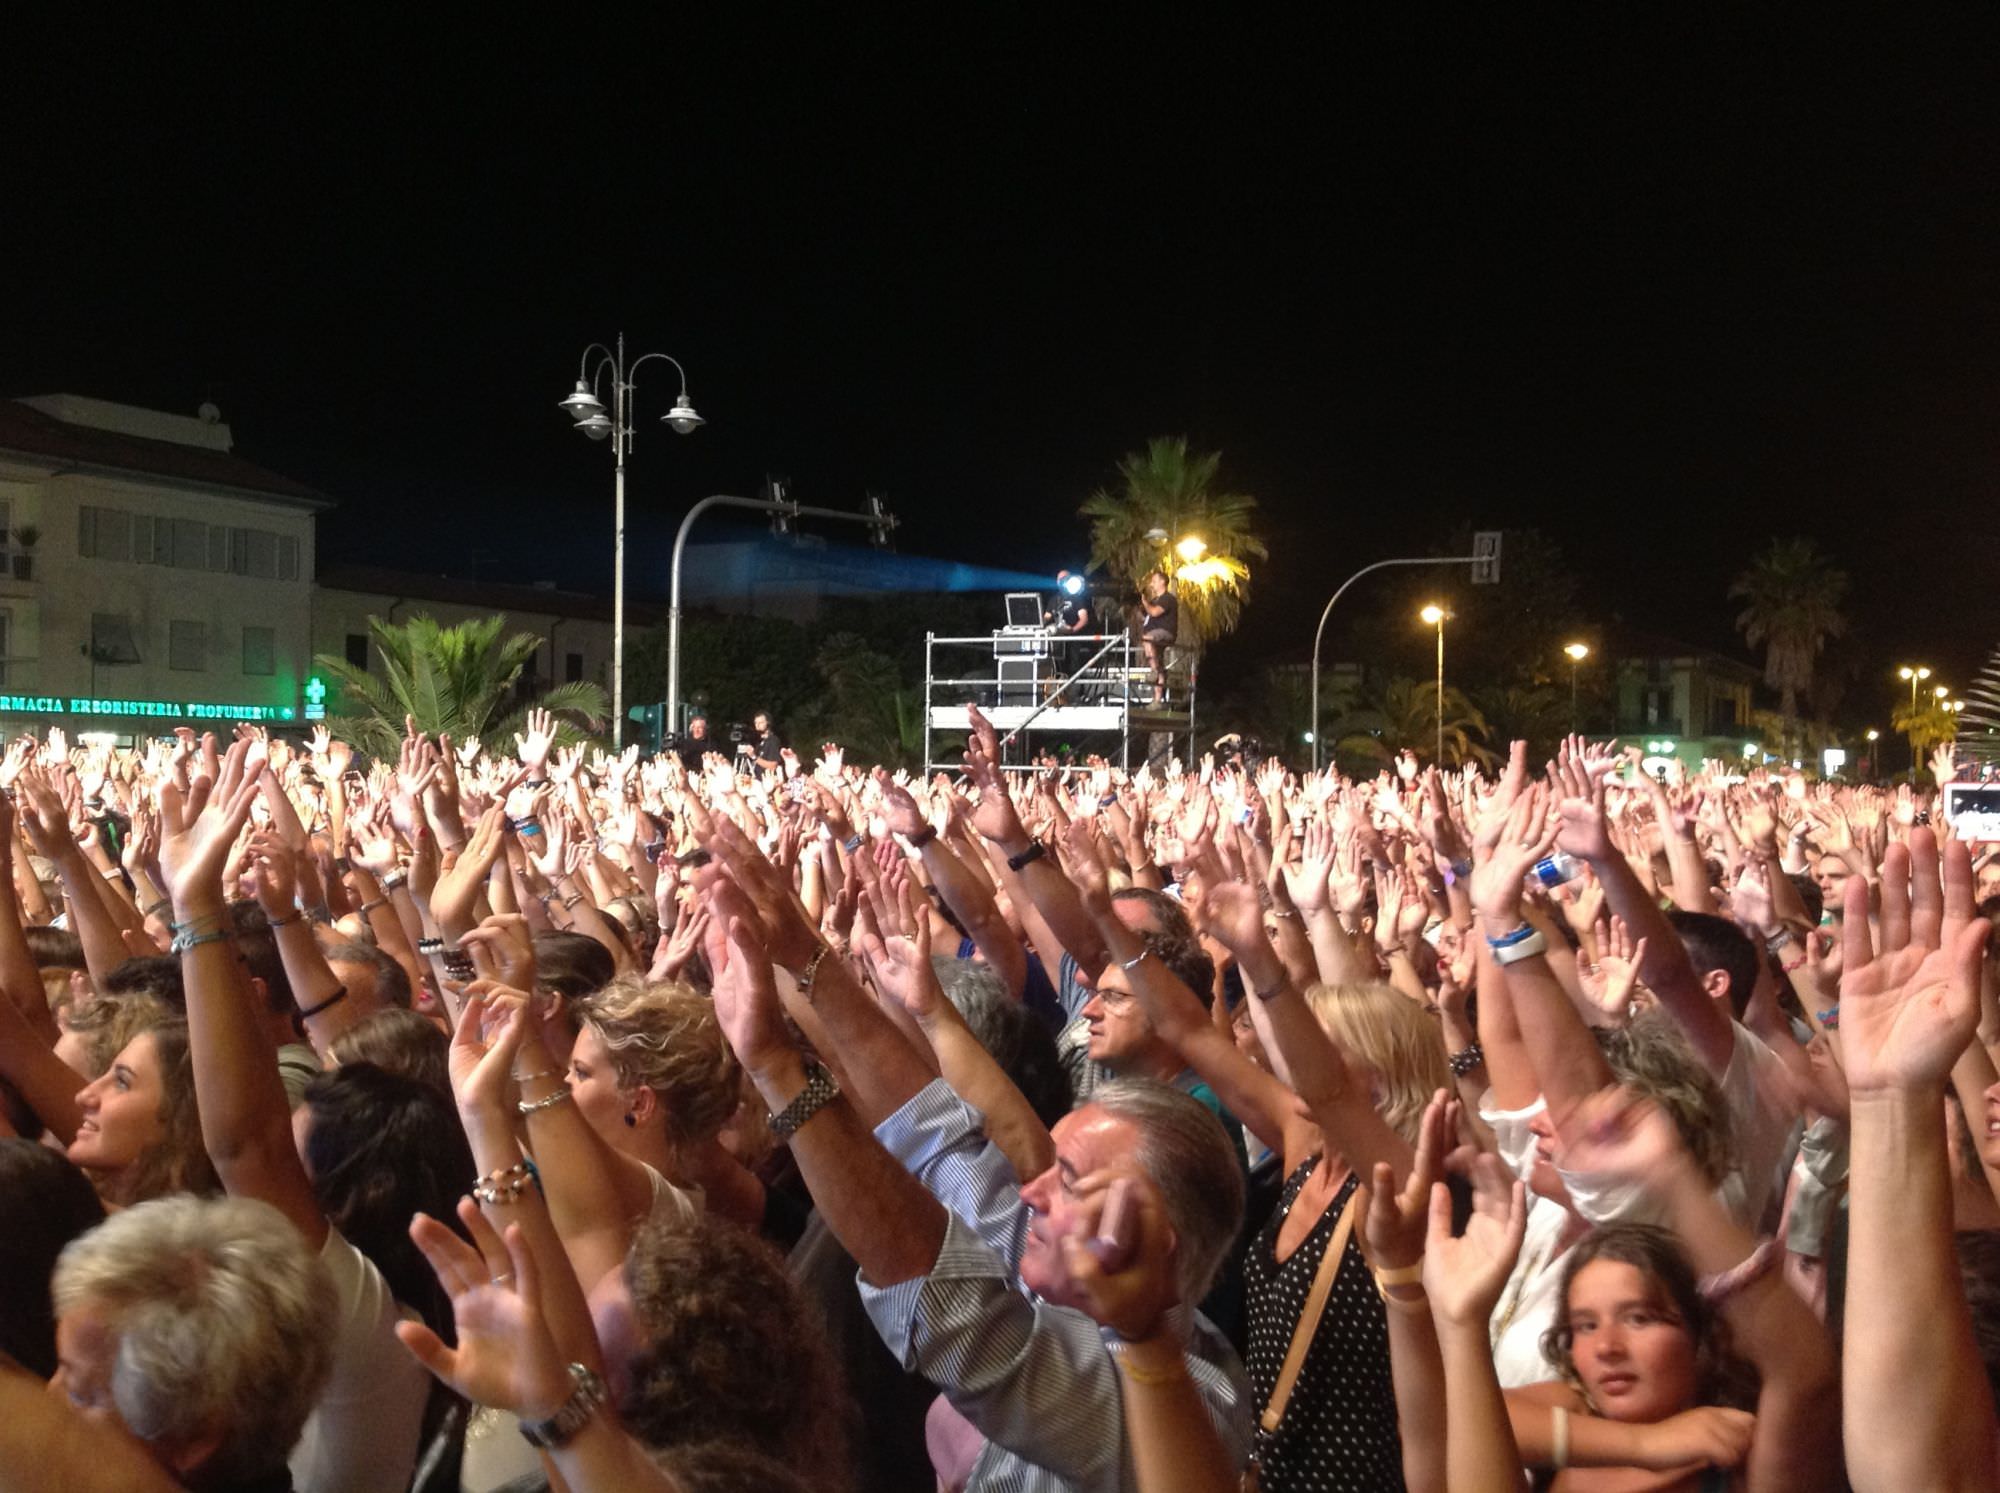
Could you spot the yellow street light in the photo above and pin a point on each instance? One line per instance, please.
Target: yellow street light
(1192, 548)
(1873, 734)
(1435, 616)
(1432, 614)
(1577, 652)
(1941, 691)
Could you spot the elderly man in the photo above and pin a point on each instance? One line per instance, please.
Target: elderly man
(962, 1267)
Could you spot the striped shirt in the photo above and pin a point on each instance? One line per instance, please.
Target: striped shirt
(1037, 1380)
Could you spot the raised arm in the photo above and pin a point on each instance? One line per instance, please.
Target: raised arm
(965, 892)
(1043, 882)
(1332, 1088)
(1916, 1410)
(896, 943)
(1568, 1064)
(246, 1122)
(1666, 969)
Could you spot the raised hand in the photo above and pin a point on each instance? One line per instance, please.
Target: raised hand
(1396, 1220)
(1465, 1273)
(505, 1355)
(1524, 837)
(506, 938)
(1086, 869)
(1908, 1009)
(199, 828)
(532, 745)
(898, 807)
(739, 959)
(1134, 1300)
(1610, 981)
(896, 941)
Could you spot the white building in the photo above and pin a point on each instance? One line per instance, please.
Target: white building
(149, 577)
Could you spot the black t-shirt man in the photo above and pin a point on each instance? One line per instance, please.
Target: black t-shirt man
(695, 745)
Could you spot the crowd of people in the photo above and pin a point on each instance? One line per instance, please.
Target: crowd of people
(515, 1115)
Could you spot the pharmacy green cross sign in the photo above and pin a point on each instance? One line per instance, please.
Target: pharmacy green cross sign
(315, 699)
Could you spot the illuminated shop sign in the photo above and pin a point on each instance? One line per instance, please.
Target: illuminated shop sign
(159, 710)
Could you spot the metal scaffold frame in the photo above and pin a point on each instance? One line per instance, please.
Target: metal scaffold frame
(1092, 688)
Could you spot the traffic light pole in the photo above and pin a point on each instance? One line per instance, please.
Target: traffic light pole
(878, 518)
(1485, 563)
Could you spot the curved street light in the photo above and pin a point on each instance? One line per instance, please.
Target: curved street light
(587, 409)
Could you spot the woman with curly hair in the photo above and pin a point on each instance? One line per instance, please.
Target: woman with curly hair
(138, 1134)
(711, 1342)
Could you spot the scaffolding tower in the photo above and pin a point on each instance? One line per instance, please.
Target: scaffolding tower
(1045, 692)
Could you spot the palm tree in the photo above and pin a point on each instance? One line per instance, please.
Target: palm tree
(1166, 494)
(1793, 594)
(1403, 717)
(456, 679)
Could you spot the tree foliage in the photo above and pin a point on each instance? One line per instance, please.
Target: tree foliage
(1402, 716)
(1792, 594)
(461, 679)
(1168, 490)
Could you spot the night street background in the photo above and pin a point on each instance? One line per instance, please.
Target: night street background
(1660, 286)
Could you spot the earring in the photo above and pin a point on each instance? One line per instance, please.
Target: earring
(630, 1122)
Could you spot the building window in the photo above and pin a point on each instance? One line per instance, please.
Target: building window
(187, 645)
(357, 649)
(103, 533)
(288, 558)
(254, 552)
(260, 650)
(6, 642)
(190, 544)
(111, 639)
(572, 668)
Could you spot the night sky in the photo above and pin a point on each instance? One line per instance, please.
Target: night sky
(1661, 286)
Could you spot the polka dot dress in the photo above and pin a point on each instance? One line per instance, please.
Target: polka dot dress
(1339, 1432)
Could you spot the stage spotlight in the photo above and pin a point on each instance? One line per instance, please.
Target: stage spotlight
(1072, 584)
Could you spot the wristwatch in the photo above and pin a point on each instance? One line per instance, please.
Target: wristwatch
(560, 1429)
(1035, 851)
(821, 1090)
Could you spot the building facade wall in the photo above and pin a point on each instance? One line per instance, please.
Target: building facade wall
(205, 596)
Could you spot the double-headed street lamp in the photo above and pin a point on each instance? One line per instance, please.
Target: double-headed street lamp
(1577, 652)
(595, 421)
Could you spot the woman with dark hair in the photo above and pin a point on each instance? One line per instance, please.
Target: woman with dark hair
(138, 1132)
(47, 1202)
(1649, 1327)
(382, 1148)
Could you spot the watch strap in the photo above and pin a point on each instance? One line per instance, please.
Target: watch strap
(561, 1428)
(821, 1090)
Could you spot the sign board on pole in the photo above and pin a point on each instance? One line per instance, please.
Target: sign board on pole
(1486, 557)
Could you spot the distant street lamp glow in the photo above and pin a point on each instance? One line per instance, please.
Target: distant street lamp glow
(1435, 616)
(1873, 734)
(1192, 548)
(1577, 652)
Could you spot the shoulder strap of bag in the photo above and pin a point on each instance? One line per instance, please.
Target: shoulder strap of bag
(1309, 1315)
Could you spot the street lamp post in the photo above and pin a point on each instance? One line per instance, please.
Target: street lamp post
(1577, 652)
(1913, 673)
(587, 409)
(1435, 615)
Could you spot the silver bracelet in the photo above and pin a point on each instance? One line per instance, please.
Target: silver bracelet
(547, 1101)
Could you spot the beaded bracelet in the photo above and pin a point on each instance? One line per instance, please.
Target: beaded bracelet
(1466, 1059)
(428, 946)
(506, 1185)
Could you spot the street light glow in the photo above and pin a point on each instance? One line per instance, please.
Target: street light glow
(1578, 652)
(1433, 614)
(1192, 548)
(1873, 734)
(1940, 691)
(1921, 671)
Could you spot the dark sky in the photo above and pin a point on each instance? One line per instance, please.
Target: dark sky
(1660, 285)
